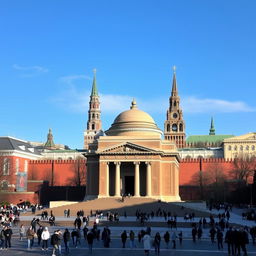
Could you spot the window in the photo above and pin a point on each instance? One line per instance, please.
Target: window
(93, 126)
(229, 148)
(235, 148)
(26, 166)
(4, 185)
(6, 167)
(241, 148)
(17, 165)
(247, 147)
(253, 147)
(181, 128)
(70, 158)
(168, 127)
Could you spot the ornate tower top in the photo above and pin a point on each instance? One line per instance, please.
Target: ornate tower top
(212, 129)
(174, 126)
(49, 143)
(94, 121)
(134, 104)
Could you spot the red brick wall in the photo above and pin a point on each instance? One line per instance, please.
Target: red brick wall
(16, 197)
(64, 171)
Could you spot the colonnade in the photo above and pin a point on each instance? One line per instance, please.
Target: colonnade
(136, 179)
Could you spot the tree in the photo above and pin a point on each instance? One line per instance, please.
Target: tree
(79, 173)
(244, 167)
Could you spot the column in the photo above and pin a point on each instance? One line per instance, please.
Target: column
(107, 179)
(117, 181)
(148, 185)
(137, 179)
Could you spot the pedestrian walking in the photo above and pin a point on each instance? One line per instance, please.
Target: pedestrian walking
(146, 243)
(90, 238)
(124, 238)
(243, 240)
(229, 239)
(105, 237)
(22, 231)
(132, 239)
(45, 236)
(212, 234)
(180, 235)
(194, 233)
(30, 237)
(220, 239)
(7, 237)
(157, 242)
(167, 239)
(39, 235)
(174, 237)
(66, 239)
(199, 233)
(56, 242)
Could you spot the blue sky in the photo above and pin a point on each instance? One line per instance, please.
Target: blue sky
(48, 50)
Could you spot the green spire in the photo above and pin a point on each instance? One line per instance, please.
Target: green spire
(94, 85)
(212, 129)
(49, 143)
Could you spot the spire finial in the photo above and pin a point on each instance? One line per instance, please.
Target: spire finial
(94, 85)
(134, 104)
(212, 129)
(174, 69)
(174, 82)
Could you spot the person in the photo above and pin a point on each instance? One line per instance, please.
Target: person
(90, 237)
(7, 237)
(105, 236)
(39, 235)
(167, 239)
(30, 236)
(157, 242)
(199, 233)
(212, 234)
(243, 240)
(22, 231)
(229, 239)
(220, 239)
(174, 237)
(194, 232)
(124, 238)
(56, 242)
(74, 235)
(45, 237)
(180, 237)
(146, 243)
(66, 239)
(2, 239)
(132, 239)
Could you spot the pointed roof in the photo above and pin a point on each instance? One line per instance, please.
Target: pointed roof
(212, 129)
(49, 143)
(94, 85)
(174, 83)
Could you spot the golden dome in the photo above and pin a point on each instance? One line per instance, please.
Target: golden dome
(134, 122)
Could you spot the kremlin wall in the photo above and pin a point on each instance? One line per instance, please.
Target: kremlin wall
(28, 168)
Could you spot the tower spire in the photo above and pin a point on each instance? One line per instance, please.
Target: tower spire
(94, 85)
(49, 143)
(212, 129)
(174, 83)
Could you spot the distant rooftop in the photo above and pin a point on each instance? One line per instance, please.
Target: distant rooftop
(207, 139)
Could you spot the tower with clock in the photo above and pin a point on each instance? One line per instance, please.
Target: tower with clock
(174, 125)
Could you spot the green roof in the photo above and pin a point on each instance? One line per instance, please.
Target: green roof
(207, 138)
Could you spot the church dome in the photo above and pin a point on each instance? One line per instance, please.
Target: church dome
(134, 122)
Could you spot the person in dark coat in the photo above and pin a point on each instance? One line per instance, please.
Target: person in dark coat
(229, 239)
(66, 239)
(56, 242)
(90, 238)
(157, 242)
(212, 234)
(236, 236)
(8, 236)
(105, 236)
(220, 239)
(39, 234)
(167, 239)
(194, 232)
(124, 238)
(243, 240)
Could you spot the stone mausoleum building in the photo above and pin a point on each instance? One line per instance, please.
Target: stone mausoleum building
(133, 159)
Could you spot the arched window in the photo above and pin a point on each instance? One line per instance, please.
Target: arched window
(235, 148)
(253, 147)
(188, 157)
(241, 148)
(247, 147)
(229, 148)
(181, 127)
(70, 158)
(93, 115)
(168, 127)
(93, 126)
(6, 167)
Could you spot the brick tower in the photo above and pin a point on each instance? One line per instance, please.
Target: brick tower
(94, 126)
(174, 126)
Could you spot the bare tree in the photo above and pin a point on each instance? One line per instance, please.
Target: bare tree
(79, 173)
(244, 167)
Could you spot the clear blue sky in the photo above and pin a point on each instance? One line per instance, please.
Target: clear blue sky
(48, 50)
